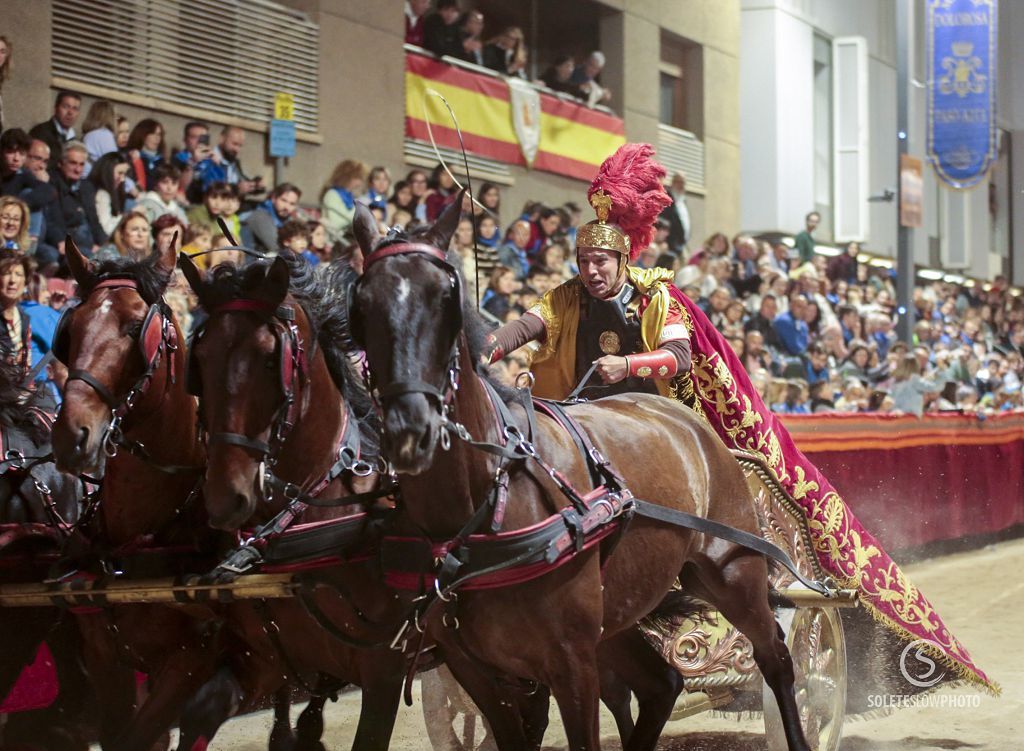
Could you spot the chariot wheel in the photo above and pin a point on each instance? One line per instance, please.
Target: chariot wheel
(815, 640)
(453, 721)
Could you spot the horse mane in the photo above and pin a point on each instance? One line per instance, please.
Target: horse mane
(323, 296)
(16, 402)
(475, 328)
(151, 278)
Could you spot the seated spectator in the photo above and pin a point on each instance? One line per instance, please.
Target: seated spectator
(108, 178)
(318, 243)
(42, 321)
(543, 230)
(74, 211)
(259, 231)
(791, 328)
(821, 397)
(497, 298)
(98, 129)
(755, 357)
(415, 13)
(294, 235)
(442, 192)
(418, 184)
(558, 77)
(487, 232)
(817, 364)
(376, 195)
(733, 323)
(506, 53)
(338, 200)
(16, 335)
(441, 32)
(166, 230)
(162, 199)
(471, 49)
(198, 240)
(795, 402)
(225, 253)
(59, 129)
(512, 255)
(555, 258)
(194, 149)
(401, 201)
(763, 321)
(146, 151)
(122, 131)
(213, 206)
(20, 177)
(585, 77)
(14, 224)
(539, 280)
(489, 197)
(909, 388)
(131, 239)
(854, 397)
(843, 267)
(716, 305)
(857, 363)
(224, 165)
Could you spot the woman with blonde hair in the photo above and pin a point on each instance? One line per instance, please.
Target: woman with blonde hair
(99, 129)
(131, 239)
(909, 387)
(14, 216)
(338, 201)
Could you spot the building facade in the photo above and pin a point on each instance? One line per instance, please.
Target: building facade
(818, 93)
(673, 69)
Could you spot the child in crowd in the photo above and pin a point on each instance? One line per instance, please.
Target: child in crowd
(198, 238)
(163, 198)
(294, 235)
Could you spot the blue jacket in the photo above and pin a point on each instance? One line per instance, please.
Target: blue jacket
(792, 333)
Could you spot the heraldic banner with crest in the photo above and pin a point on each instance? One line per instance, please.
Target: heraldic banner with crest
(962, 89)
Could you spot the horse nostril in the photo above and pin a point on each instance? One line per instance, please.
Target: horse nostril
(424, 444)
(83, 440)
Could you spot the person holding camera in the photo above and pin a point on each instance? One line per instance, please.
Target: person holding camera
(223, 165)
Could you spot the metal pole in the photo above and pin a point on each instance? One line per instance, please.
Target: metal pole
(905, 237)
(278, 171)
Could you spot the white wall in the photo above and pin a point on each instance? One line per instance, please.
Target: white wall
(776, 90)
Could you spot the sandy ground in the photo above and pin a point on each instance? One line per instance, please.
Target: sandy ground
(981, 597)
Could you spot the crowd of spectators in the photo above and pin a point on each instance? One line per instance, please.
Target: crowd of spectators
(815, 332)
(448, 30)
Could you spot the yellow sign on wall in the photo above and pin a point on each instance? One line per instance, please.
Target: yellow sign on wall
(284, 106)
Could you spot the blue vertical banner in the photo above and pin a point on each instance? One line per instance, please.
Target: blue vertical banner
(962, 89)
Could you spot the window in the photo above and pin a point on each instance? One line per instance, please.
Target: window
(681, 84)
(222, 57)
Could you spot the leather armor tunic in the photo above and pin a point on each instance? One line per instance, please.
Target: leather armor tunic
(610, 327)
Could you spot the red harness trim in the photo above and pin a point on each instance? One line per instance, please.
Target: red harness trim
(402, 249)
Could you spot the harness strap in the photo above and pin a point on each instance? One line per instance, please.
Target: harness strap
(413, 386)
(307, 597)
(730, 534)
(104, 393)
(236, 439)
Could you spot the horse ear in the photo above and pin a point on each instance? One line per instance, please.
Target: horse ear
(364, 225)
(81, 268)
(275, 284)
(440, 235)
(193, 275)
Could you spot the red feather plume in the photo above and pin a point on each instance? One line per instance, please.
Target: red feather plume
(633, 180)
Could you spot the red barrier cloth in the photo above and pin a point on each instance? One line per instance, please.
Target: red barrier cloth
(914, 481)
(37, 687)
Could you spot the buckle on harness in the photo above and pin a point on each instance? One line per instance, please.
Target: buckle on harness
(574, 524)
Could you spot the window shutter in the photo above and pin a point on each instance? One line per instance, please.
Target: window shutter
(850, 138)
(228, 57)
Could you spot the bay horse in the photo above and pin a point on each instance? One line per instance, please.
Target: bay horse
(126, 412)
(423, 347)
(279, 398)
(39, 507)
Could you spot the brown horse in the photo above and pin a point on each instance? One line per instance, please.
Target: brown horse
(279, 400)
(126, 411)
(422, 352)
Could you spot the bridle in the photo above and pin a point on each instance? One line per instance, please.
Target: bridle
(443, 396)
(157, 339)
(293, 370)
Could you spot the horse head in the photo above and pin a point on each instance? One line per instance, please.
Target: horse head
(119, 347)
(249, 365)
(407, 316)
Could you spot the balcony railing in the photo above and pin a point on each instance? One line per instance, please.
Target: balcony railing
(503, 121)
